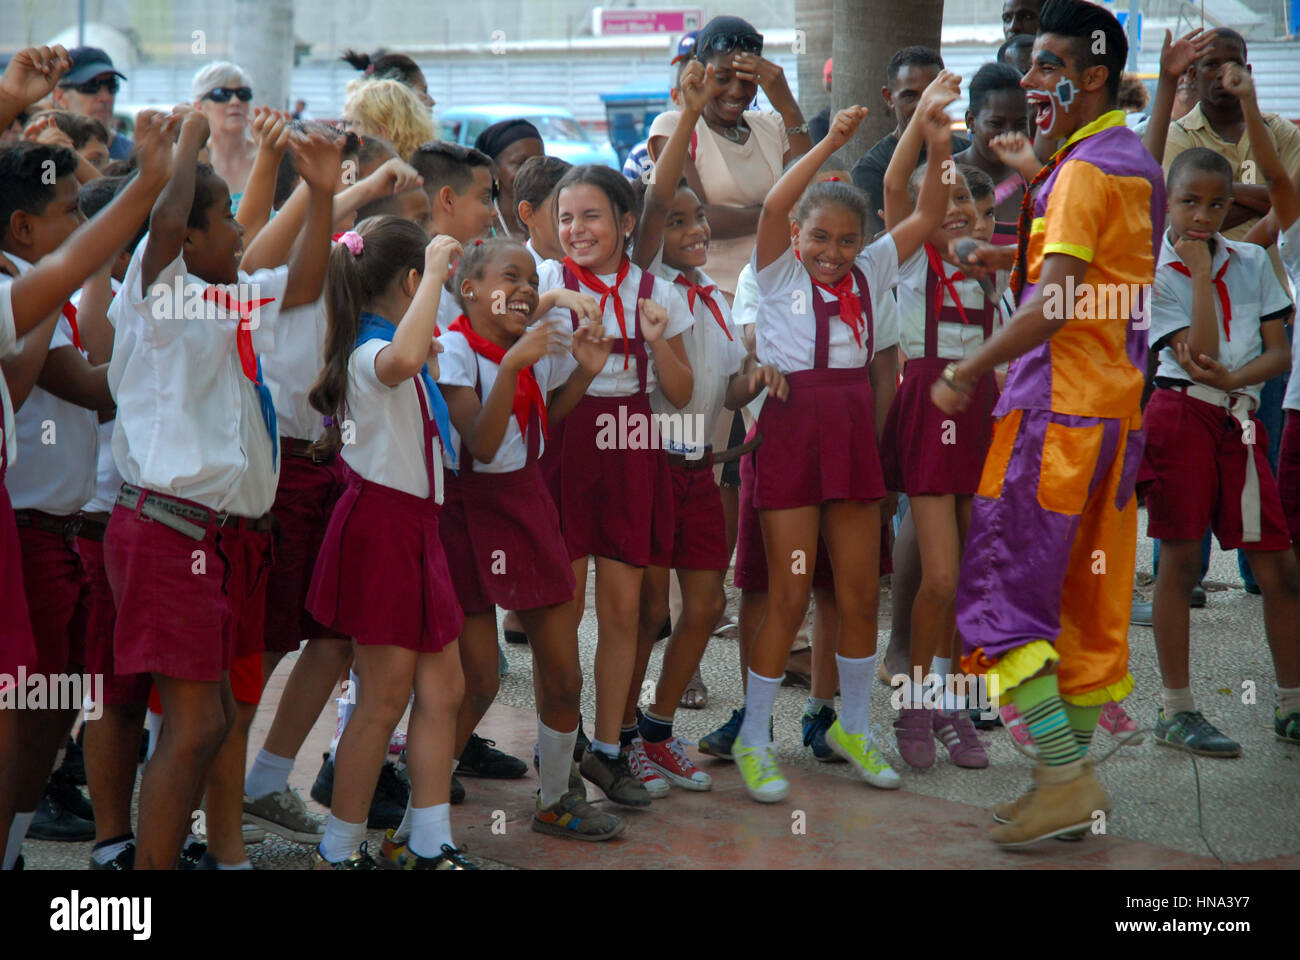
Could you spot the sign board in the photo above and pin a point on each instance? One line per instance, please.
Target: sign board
(623, 20)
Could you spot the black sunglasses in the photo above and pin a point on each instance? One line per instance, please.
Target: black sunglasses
(92, 87)
(726, 42)
(223, 94)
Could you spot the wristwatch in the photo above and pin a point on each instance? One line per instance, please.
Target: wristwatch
(795, 131)
(949, 376)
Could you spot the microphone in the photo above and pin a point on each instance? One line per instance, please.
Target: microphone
(964, 248)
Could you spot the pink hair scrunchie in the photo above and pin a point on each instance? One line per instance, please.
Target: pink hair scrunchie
(353, 241)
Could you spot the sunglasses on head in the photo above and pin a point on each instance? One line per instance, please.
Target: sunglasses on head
(92, 87)
(223, 94)
(726, 42)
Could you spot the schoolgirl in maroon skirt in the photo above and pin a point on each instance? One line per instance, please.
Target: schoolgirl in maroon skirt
(615, 494)
(499, 522)
(382, 575)
(818, 469)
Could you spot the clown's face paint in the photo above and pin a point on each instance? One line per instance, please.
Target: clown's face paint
(1050, 86)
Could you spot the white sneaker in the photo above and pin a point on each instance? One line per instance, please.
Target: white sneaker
(654, 784)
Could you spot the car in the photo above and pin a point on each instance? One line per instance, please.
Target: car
(561, 133)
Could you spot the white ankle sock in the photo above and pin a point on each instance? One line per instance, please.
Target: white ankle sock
(814, 704)
(270, 774)
(403, 831)
(154, 722)
(1288, 699)
(1176, 701)
(109, 851)
(855, 692)
(430, 829)
(555, 760)
(341, 839)
(18, 830)
(608, 749)
(760, 694)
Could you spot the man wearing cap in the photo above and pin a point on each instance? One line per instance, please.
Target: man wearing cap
(89, 89)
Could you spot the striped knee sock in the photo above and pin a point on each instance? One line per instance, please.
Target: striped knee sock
(1083, 721)
(1039, 703)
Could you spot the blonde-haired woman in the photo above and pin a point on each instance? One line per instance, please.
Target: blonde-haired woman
(223, 93)
(388, 109)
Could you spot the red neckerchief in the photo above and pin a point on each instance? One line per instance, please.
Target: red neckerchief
(528, 393)
(850, 304)
(243, 333)
(1220, 288)
(694, 290)
(70, 313)
(936, 264)
(593, 282)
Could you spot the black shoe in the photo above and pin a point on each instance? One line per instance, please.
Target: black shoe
(125, 860)
(457, 790)
(1198, 598)
(55, 822)
(516, 636)
(192, 856)
(69, 796)
(322, 789)
(615, 777)
(388, 805)
(480, 758)
(74, 759)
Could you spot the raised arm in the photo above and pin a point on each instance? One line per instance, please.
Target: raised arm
(943, 90)
(403, 358)
(271, 128)
(932, 201)
(169, 221)
(318, 159)
(1282, 192)
(31, 76)
(1176, 58)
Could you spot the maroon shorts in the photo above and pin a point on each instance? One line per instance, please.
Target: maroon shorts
(700, 534)
(249, 555)
(173, 614)
(616, 493)
(17, 647)
(928, 452)
(382, 574)
(97, 615)
(1288, 473)
(1199, 461)
(246, 678)
(53, 580)
(820, 444)
(304, 501)
(503, 533)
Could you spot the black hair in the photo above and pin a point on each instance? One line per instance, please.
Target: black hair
(833, 193)
(206, 180)
(1226, 33)
(24, 180)
(446, 164)
(1081, 21)
(978, 181)
(612, 183)
(992, 78)
(1011, 43)
(537, 178)
(475, 259)
(385, 66)
(914, 56)
(721, 27)
(97, 194)
(117, 168)
(80, 129)
(1200, 160)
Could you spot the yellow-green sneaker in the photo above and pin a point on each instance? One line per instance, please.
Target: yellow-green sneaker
(758, 770)
(860, 750)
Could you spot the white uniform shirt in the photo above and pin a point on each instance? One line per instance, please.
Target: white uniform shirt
(713, 358)
(107, 480)
(613, 380)
(1288, 246)
(460, 366)
(786, 323)
(387, 428)
(955, 341)
(1253, 291)
(291, 369)
(189, 423)
(8, 344)
(59, 440)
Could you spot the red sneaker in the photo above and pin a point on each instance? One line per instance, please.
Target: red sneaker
(669, 758)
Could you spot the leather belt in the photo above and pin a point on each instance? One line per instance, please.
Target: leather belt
(294, 447)
(48, 522)
(185, 517)
(735, 453)
(93, 526)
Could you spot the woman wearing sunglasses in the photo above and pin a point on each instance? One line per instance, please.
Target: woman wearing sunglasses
(740, 152)
(223, 93)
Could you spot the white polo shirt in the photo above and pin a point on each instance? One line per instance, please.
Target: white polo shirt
(291, 369)
(1288, 247)
(59, 440)
(107, 480)
(955, 341)
(713, 358)
(189, 423)
(786, 325)
(613, 380)
(1253, 292)
(8, 344)
(459, 366)
(387, 428)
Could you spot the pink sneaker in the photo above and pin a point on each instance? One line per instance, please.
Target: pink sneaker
(914, 731)
(956, 732)
(1018, 729)
(1119, 724)
(648, 776)
(669, 759)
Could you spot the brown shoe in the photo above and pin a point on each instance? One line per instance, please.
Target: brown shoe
(1006, 811)
(1062, 802)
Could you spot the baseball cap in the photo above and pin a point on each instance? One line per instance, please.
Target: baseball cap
(686, 46)
(88, 63)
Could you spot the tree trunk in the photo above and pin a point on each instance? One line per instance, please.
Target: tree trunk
(813, 18)
(867, 33)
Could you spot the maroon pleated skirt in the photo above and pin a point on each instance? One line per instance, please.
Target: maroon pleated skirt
(502, 535)
(382, 575)
(820, 444)
(928, 452)
(616, 496)
(17, 646)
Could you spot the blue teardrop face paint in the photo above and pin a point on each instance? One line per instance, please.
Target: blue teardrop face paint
(1065, 93)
